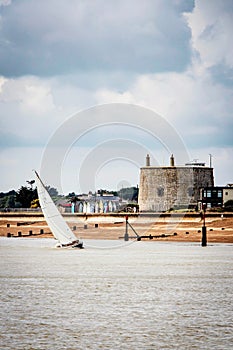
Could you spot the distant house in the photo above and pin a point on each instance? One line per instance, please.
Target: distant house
(88, 203)
(64, 207)
(213, 197)
(106, 203)
(227, 193)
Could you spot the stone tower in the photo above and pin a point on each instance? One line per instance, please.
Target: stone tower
(168, 187)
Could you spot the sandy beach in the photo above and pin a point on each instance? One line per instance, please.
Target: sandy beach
(219, 229)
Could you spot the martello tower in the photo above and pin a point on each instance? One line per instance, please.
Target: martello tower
(166, 187)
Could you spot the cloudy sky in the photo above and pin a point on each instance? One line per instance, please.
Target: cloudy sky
(174, 57)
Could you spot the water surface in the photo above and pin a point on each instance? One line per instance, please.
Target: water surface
(145, 295)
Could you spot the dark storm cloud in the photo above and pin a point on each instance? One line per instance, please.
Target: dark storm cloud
(58, 37)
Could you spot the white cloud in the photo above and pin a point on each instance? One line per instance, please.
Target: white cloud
(195, 106)
(37, 99)
(211, 25)
(28, 112)
(111, 96)
(5, 2)
(112, 48)
(2, 82)
(31, 94)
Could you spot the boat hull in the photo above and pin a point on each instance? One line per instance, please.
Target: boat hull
(76, 244)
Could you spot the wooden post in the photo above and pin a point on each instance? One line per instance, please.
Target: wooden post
(204, 237)
(204, 240)
(126, 237)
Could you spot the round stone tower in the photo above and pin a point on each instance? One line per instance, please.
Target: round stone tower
(168, 187)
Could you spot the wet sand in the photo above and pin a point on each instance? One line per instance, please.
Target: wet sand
(219, 230)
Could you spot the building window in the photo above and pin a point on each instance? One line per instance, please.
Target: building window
(208, 194)
(204, 193)
(208, 205)
(219, 194)
(191, 192)
(226, 193)
(160, 191)
(214, 194)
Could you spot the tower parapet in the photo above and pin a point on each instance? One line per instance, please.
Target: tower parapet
(147, 160)
(172, 160)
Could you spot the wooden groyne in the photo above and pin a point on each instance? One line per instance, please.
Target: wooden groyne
(121, 215)
(29, 234)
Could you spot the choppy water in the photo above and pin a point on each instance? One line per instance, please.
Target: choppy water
(147, 295)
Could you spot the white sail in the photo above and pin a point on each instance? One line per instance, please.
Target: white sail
(53, 217)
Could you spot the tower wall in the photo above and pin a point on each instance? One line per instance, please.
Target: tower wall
(163, 188)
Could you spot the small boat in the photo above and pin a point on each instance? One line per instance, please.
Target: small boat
(59, 228)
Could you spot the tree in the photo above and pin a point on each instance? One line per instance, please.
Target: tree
(25, 196)
(53, 192)
(74, 199)
(7, 200)
(71, 194)
(129, 193)
(10, 203)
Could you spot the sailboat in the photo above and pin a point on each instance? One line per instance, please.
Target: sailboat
(59, 228)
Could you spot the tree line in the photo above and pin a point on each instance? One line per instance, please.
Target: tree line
(25, 197)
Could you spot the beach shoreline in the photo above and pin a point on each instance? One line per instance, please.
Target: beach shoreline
(176, 228)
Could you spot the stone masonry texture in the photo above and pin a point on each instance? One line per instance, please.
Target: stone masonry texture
(165, 188)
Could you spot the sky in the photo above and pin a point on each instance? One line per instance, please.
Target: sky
(61, 58)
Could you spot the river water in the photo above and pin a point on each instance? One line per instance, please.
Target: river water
(145, 295)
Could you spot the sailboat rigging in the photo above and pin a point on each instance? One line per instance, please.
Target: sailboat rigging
(59, 228)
